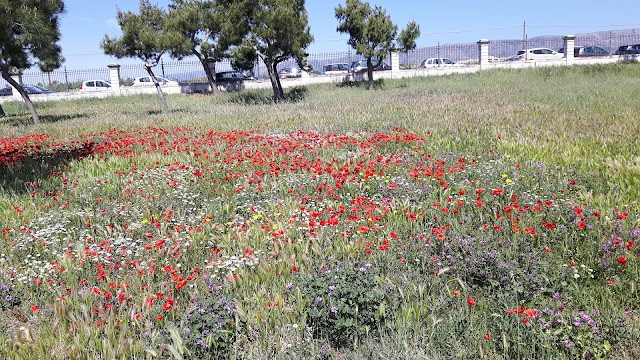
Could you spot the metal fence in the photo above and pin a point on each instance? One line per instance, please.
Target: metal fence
(463, 53)
(61, 79)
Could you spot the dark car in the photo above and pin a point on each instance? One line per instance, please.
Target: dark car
(35, 89)
(29, 89)
(585, 51)
(628, 50)
(231, 80)
(361, 66)
(6, 91)
(231, 76)
(335, 69)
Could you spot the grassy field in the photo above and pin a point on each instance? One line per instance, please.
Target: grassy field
(492, 215)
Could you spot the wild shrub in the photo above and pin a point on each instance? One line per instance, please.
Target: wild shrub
(344, 301)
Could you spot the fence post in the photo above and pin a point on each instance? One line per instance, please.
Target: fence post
(395, 64)
(569, 43)
(483, 52)
(18, 78)
(66, 79)
(114, 76)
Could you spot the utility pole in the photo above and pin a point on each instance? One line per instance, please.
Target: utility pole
(524, 39)
(610, 39)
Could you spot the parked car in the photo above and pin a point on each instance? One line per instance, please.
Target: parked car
(628, 50)
(290, 72)
(230, 76)
(536, 54)
(231, 80)
(35, 89)
(335, 69)
(361, 66)
(29, 89)
(436, 62)
(584, 51)
(146, 81)
(95, 85)
(6, 91)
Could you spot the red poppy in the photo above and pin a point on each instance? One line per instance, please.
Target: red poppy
(471, 301)
(487, 337)
(622, 260)
(524, 320)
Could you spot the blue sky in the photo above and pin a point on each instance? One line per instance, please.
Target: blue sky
(85, 23)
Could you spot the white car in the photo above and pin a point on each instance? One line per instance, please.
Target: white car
(146, 81)
(437, 62)
(290, 73)
(95, 85)
(536, 54)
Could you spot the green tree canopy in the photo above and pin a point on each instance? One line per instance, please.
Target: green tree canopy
(278, 30)
(29, 35)
(210, 28)
(144, 36)
(372, 33)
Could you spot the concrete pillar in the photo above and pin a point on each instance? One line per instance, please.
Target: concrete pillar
(483, 52)
(114, 77)
(395, 64)
(569, 43)
(18, 78)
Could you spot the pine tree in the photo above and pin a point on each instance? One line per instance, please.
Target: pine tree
(210, 28)
(29, 35)
(372, 33)
(278, 30)
(144, 36)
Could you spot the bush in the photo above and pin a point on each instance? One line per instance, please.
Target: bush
(265, 97)
(343, 301)
(209, 326)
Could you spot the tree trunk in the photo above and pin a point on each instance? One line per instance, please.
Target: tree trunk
(2, 114)
(369, 74)
(163, 101)
(275, 71)
(275, 82)
(25, 96)
(211, 78)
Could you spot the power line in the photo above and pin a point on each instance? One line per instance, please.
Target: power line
(475, 30)
(582, 26)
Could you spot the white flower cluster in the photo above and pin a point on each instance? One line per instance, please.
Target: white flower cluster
(32, 268)
(231, 263)
(577, 270)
